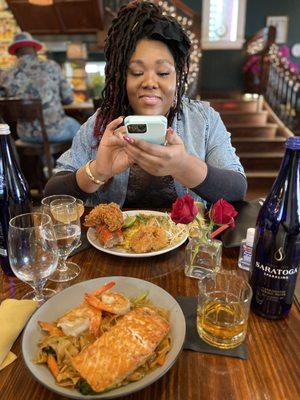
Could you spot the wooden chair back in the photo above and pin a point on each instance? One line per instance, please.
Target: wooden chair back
(14, 111)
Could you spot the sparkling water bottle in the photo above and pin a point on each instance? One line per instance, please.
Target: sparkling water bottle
(276, 248)
(14, 193)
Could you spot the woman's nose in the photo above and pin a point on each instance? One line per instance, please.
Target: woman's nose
(150, 80)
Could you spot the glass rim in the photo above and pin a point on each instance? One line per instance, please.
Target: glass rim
(12, 220)
(231, 274)
(61, 202)
(56, 197)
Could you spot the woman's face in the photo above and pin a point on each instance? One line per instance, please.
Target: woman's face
(151, 78)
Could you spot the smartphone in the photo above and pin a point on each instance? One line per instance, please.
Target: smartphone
(151, 128)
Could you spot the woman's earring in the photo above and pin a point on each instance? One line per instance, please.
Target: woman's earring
(174, 103)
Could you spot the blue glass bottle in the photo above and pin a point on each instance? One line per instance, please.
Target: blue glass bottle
(14, 193)
(276, 249)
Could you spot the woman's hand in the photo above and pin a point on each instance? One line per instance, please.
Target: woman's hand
(171, 159)
(158, 160)
(112, 157)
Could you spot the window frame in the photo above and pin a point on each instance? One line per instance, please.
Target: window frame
(207, 44)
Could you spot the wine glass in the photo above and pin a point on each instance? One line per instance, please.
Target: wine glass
(45, 203)
(67, 231)
(33, 254)
(80, 211)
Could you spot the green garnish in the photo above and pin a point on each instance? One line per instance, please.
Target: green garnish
(49, 350)
(140, 298)
(141, 218)
(129, 221)
(84, 388)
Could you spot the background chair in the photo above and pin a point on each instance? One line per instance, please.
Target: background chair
(12, 111)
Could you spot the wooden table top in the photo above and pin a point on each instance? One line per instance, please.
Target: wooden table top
(79, 105)
(271, 372)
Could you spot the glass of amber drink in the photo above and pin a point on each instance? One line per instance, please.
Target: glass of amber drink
(223, 308)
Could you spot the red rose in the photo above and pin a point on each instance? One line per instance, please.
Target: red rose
(223, 213)
(184, 210)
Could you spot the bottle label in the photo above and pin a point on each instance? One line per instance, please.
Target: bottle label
(3, 251)
(276, 273)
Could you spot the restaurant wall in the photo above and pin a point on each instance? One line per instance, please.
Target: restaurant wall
(221, 69)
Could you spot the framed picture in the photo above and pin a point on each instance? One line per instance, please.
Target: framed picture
(281, 24)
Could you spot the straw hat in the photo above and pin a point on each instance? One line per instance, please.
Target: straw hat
(23, 39)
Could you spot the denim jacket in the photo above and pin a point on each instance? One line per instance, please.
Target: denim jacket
(199, 126)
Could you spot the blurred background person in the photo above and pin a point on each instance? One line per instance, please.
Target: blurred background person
(32, 77)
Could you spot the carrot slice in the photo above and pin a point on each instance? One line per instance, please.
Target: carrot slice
(50, 328)
(161, 359)
(52, 364)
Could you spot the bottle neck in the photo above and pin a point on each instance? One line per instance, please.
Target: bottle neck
(6, 149)
(289, 170)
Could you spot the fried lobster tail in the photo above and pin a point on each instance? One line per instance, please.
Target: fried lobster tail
(120, 351)
(108, 238)
(109, 215)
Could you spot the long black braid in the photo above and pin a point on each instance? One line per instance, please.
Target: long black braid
(125, 31)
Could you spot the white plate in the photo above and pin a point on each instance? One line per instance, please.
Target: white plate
(91, 235)
(71, 297)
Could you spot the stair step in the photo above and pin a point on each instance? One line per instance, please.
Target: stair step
(254, 118)
(260, 182)
(246, 144)
(232, 105)
(268, 162)
(250, 130)
(262, 174)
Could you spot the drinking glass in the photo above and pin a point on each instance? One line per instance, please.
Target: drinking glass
(33, 254)
(67, 232)
(80, 211)
(202, 256)
(45, 203)
(223, 308)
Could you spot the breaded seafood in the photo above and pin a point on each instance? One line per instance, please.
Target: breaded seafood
(149, 238)
(109, 215)
(120, 351)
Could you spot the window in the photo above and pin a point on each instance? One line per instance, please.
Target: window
(223, 24)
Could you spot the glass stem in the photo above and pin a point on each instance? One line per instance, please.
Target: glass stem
(38, 290)
(62, 267)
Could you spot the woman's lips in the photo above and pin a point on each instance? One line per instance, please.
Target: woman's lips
(150, 100)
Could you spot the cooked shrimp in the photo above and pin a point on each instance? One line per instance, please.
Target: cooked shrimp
(148, 238)
(112, 302)
(84, 316)
(80, 319)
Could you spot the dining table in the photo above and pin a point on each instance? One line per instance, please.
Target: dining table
(80, 110)
(271, 371)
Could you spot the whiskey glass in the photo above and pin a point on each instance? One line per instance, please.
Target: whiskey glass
(223, 309)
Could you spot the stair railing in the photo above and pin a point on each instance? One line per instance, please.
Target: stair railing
(281, 87)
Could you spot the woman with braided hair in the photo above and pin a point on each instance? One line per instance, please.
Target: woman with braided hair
(147, 56)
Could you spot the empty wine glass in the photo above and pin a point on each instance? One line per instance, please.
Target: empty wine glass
(67, 232)
(33, 254)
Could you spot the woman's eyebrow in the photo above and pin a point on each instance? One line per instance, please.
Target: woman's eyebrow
(160, 61)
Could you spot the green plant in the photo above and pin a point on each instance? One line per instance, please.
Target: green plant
(96, 85)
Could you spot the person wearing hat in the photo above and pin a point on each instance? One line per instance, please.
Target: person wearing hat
(31, 77)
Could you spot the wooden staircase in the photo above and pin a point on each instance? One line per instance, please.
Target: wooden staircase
(258, 137)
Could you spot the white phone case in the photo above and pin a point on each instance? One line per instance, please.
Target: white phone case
(151, 128)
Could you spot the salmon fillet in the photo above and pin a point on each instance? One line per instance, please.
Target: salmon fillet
(121, 350)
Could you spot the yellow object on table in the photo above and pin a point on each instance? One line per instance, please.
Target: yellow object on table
(13, 316)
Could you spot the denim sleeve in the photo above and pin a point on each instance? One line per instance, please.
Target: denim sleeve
(84, 148)
(219, 150)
